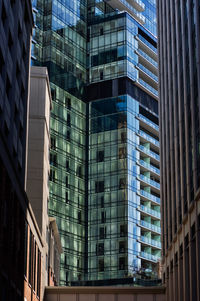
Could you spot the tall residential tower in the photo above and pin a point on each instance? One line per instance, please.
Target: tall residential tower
(104, 179)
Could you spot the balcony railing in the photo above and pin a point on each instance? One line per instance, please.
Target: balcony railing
(147, 71)
(149, 138)
(151, 123)
(150, 196)
(149, 181)
(148, 87)
(151, 242)
(149, 166)
(148, 58)
(150, 211)
(150, 226)
(149, 152)
(147, 43)
(149, 256)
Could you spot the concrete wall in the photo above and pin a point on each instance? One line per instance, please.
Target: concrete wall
(38, 156)
(105, 294)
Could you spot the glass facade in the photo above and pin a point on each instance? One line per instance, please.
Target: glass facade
(124, 203)
(60, 44)
(104, 177)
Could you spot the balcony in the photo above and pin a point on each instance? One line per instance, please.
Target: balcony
(142, 53)
(149, 122)
(123, 5)
(150, 182)
(147, 151)
(148, 196)
(148, 138)
(149, 167)
(137, 4)
(149, 211)
(147, 47)
(149, 257)
(150, 226)
(151, 242)
(146, 87)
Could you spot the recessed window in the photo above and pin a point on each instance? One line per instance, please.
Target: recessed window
(67, 197)
(121, 246)
(102, 201)
(52, 176)
(53, 143)
(123, 230)
(100, 249)
(99, 186)
(53, 159)
(101, 265)
(103, 216)
(68, 103)
(122, 183)
(122, 263)
(68, 136)
(100, 156)
(102, 232)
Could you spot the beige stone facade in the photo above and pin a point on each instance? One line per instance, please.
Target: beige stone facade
(105, 294)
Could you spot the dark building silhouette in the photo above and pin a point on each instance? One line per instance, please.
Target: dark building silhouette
(16, 24)
(179, 57)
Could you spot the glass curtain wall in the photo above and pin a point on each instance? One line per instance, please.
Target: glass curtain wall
(60, 44)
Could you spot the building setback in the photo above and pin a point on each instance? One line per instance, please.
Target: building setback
(179, 55)
(104, 177)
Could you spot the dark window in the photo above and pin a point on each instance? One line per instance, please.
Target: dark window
(68, 103)
(100, 156)
(68, 120)
(66, 197)
(101, 31)
(102, 201)
(53, 143)
(121, 246)
(38, 273)
(100, 249)
(66, 181)
(122, 183)
(102, 232)
(101, 265)
(30, 275)
(34, 267)
(79, 171)
(68, 136)
(99, 186)
(103, 217)
(123, 230)
(101, 75)
(53, 94)
(67, 164)
(79, 217)
(53, 159)
(52, 176)
(121, 263)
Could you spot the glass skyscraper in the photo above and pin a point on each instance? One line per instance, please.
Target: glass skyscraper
(104, 178)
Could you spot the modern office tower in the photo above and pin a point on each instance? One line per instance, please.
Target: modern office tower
(61, 46)
(179, 54)
(15, 32)
(104, 178)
